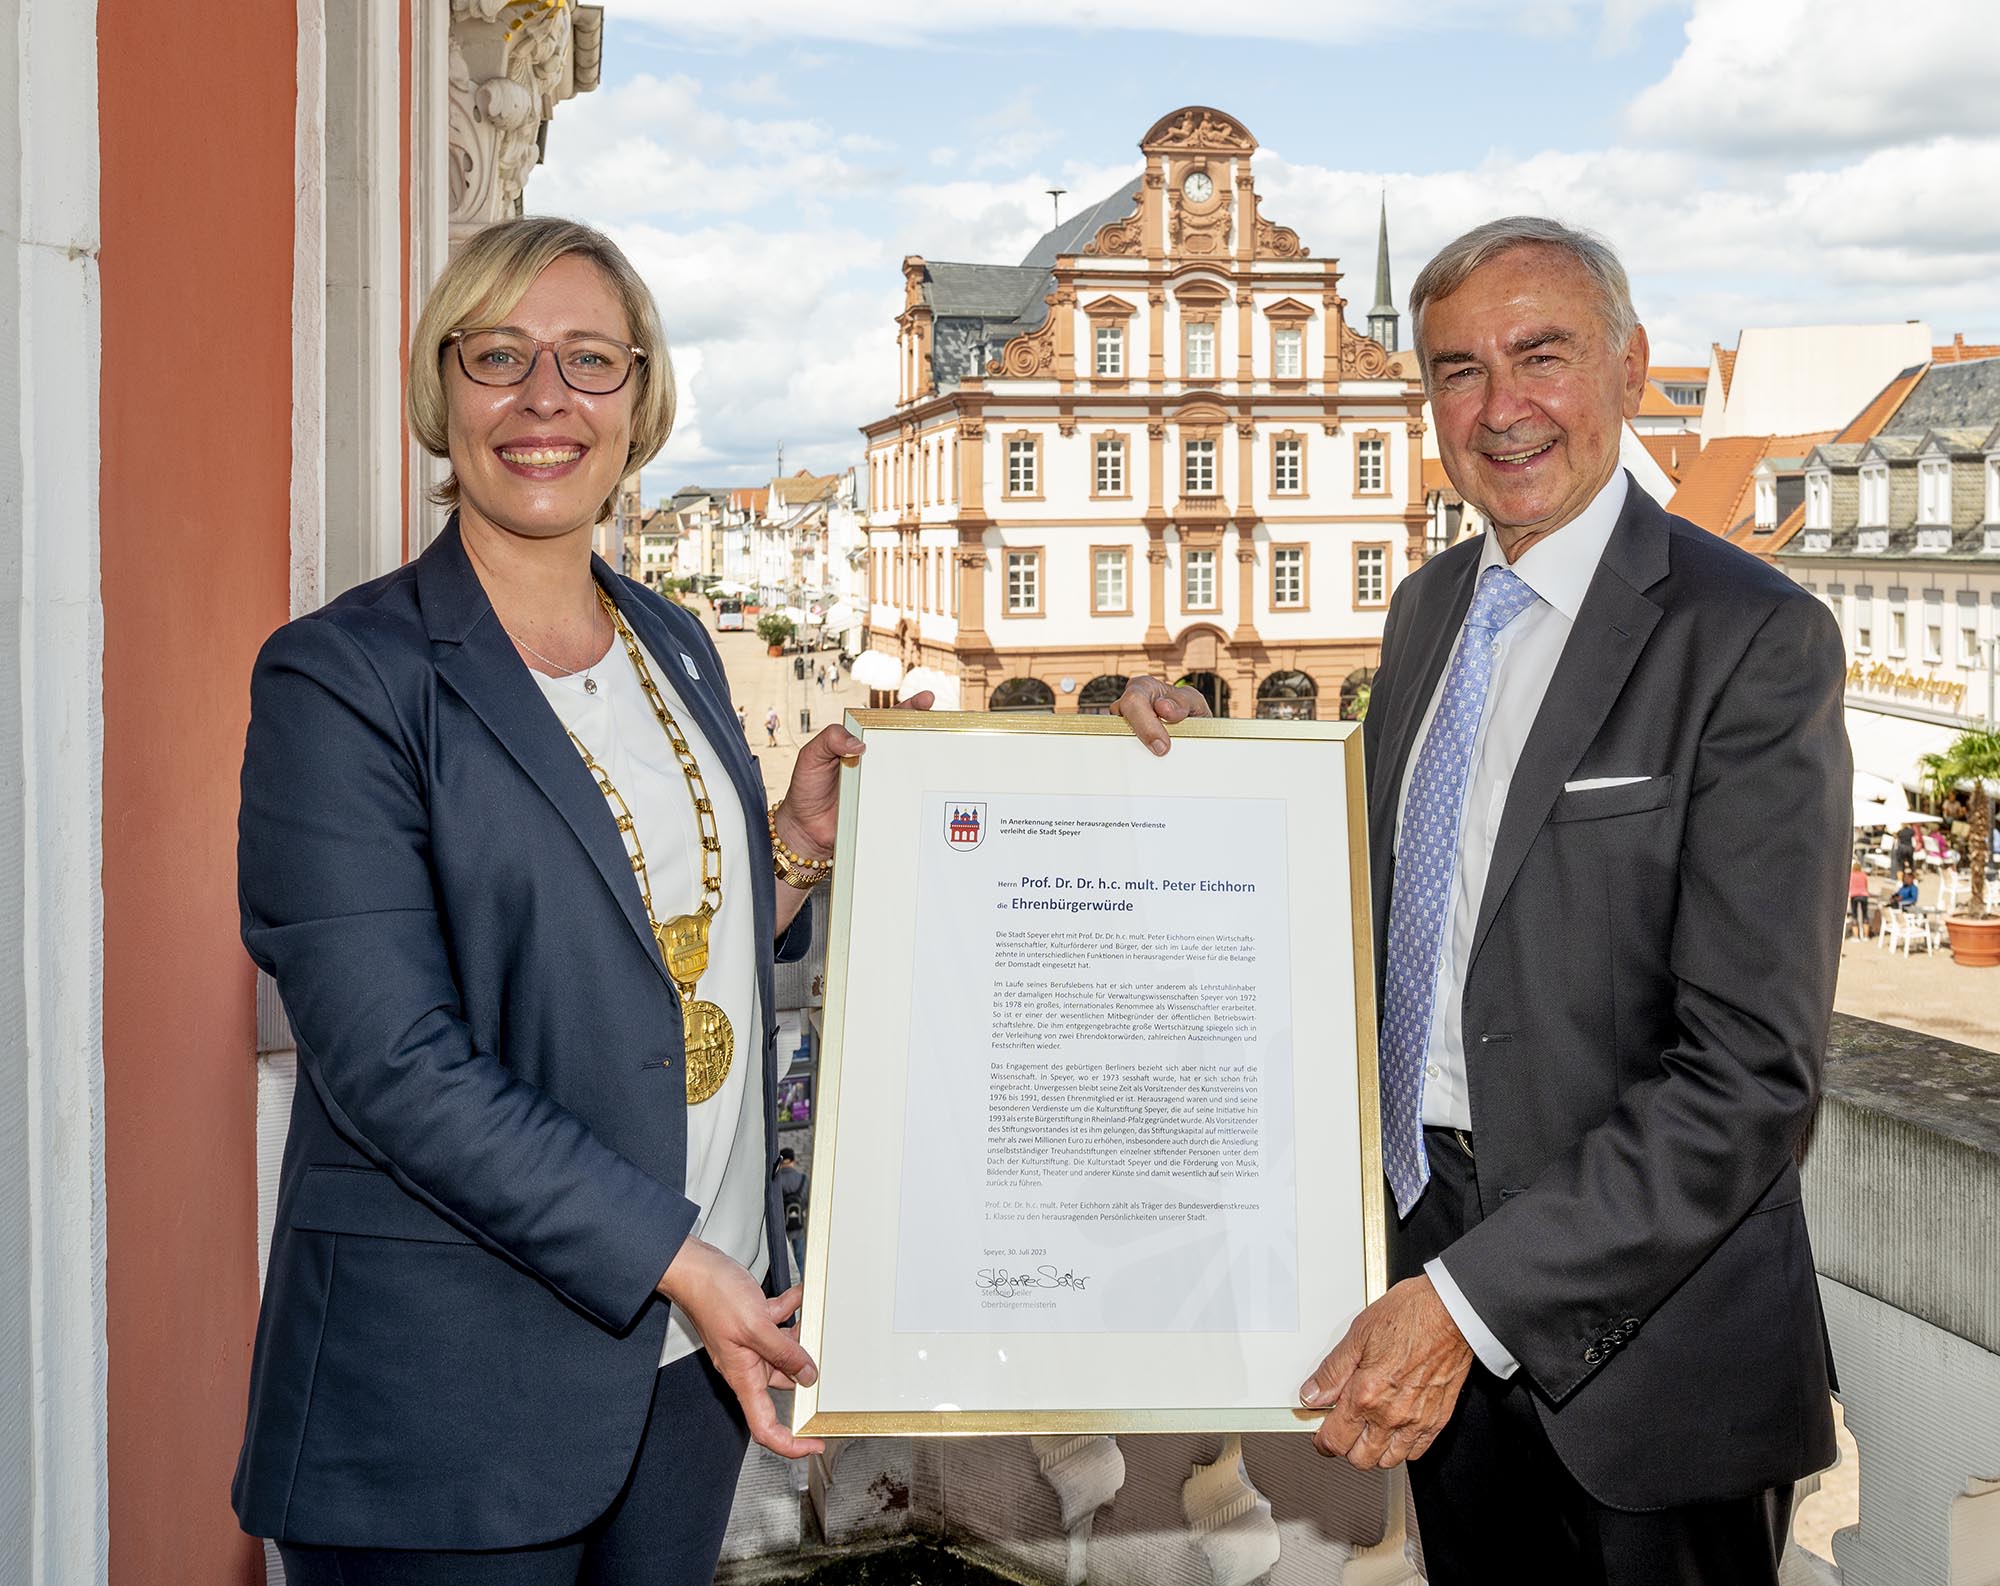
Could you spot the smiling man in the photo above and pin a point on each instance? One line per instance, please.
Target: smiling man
(1608, 789)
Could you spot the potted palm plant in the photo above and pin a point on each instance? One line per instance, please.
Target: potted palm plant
(1973, 756)
(774, 628)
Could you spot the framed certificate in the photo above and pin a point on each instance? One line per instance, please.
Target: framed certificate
(1096, 1145)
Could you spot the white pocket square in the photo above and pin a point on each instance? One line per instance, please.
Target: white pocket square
(1590, 782)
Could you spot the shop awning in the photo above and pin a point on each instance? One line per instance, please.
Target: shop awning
(942, 684)
(1893, 747)
(873, 669)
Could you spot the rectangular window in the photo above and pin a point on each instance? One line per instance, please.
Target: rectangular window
(1200, 468)
(1110, 343)
(1864, 631)
(1111, 468)
(1021, 470)
(1288, 576)
(1368, 465)
(1200, 591)
(1993, 490)
(1934, 640)
(1371, 575)
(1200, 351)
(1934, 485)
(1287, 352)
(1874, 494)
(1108, 592)
(1819, 501)
(1288, 470)
(1024, 581)
(1898, 630)
(1968, 636)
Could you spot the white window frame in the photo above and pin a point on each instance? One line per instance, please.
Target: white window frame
(1899, 632)
(1108, 352)
(1969, 654)
(1102, 563)
(1993, 489)
(1199, 466)
(1819, 499)
(1023, 472)
(1024, 582)
(1934, 490)
(1289, 451)
(1200, 561)
(1112, 451)
(1933, 634)
(1288, 352)
(1288, 567)
(1371, 575)
(1767, 503)
(1371, 465)
(1199, 349)
(1874, 510)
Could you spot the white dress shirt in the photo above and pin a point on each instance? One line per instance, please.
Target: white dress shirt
(726, 1170)
(1558, 569)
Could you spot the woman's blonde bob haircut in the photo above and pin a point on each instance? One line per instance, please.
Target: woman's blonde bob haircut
(484, 280)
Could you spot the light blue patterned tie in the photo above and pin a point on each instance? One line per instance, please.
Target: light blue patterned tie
(1426, 859)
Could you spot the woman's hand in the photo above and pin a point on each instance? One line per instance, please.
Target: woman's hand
(810, 813)
(742, 1329)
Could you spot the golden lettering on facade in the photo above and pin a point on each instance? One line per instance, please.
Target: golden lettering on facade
(1885, 679)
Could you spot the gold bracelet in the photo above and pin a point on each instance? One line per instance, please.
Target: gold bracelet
(792, 868)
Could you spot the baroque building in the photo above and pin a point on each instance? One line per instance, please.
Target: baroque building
(1153, 445)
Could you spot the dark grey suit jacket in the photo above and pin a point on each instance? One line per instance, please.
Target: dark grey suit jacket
(1646, 1007)
(483, 1180)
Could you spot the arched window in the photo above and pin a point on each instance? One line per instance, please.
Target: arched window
(1354, 693)
(1023, 693)
(1210, 687)
(1100, 694)
(1287, 696)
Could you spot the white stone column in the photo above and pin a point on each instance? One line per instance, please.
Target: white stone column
(53, 1494)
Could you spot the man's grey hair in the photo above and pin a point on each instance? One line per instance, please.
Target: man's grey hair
(1457, 259)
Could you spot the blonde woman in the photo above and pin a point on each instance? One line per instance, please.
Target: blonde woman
(508, 858)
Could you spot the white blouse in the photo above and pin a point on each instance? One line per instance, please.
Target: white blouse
(726, 1170)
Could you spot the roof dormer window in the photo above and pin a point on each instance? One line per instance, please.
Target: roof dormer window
(1767, 503)
(1874, 494)
(1993, 489)
(1819, 500)
(1934, 490)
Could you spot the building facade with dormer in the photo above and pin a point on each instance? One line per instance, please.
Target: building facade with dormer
(1901, 538)
(1153, 446)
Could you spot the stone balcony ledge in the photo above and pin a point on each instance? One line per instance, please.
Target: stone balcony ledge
(1902, 1193)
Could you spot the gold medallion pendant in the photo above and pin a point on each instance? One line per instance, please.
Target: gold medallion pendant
(711, 1047)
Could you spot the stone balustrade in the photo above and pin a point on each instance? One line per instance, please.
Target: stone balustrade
(1903, 1193)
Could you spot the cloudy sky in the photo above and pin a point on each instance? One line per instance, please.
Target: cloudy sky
(768, 163)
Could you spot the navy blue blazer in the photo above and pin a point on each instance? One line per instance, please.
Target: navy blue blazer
(483, 1179)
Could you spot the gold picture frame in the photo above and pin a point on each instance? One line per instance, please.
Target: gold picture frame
(877, 1379)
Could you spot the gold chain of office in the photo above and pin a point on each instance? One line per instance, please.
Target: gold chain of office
(708, 1041)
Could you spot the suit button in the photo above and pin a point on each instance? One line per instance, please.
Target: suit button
(1592, 1355)
(1629, 1326)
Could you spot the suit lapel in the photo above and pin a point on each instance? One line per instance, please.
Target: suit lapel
(1611, 629)
(483, 670)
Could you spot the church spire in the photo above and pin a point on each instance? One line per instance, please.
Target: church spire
(1383, 318)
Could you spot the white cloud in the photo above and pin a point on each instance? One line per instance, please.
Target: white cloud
(1801, 78)
(905, 22)
(1765, 179)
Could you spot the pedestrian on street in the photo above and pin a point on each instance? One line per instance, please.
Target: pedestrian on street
(792, 1190)
(771, 728)
(820, 673)
(743, 720)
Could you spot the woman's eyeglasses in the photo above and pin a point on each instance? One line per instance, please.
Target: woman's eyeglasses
(594, 365)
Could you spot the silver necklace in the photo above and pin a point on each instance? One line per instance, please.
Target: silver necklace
(589, 682)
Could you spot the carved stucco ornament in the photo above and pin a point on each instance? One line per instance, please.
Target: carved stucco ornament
(1361, 357)
(1029, 354)
(1086, 1473)
(512, 62)
(1230, 1519)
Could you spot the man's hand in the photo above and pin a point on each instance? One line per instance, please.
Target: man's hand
(1391, 1384)
(742, 1328)
(1149, 706)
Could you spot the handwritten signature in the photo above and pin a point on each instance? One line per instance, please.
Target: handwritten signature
(1001, 1283)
